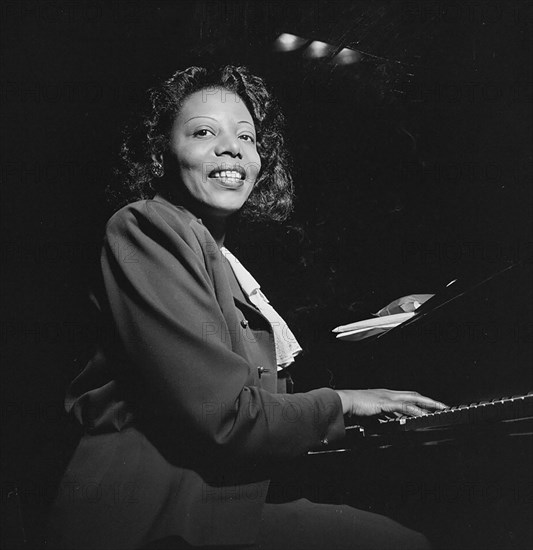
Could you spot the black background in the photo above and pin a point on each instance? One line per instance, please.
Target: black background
(412, 168)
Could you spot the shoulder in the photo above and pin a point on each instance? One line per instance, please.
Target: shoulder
(154, 212)
(159, 220)
(151, 237)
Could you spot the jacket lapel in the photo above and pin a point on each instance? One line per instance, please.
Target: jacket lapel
(241, 300)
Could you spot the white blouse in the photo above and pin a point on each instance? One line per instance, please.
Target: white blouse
(287, 346)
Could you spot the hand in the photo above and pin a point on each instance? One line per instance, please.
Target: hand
(386, 402)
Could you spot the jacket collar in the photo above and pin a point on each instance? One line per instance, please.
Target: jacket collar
(162, 198)
(238, 296)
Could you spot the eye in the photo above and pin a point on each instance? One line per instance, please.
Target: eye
(247, 137)
(203, 132)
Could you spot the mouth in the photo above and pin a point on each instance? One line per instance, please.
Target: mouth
(231, 178)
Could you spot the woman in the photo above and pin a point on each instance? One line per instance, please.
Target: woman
(183, 408)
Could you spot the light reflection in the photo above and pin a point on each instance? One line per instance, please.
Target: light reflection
(286, 42)
(318, 49)
(347, 56)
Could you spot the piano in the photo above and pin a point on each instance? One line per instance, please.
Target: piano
(519, 407)
(514, 414)
(463, 475)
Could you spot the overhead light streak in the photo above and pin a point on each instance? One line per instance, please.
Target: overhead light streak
(286, 42)
(319, 49)
(347, 56)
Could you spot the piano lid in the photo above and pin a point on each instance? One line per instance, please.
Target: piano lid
(472, 341)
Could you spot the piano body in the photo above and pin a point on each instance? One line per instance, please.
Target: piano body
(462, 476)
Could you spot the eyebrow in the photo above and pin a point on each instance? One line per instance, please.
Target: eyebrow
(206, 116)
(200, 116)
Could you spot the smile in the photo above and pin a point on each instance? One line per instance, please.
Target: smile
(227, 174)
(231, 179)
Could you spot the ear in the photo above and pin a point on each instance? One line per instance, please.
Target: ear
(157, 157)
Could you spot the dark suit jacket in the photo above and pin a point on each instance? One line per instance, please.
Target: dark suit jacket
(179, 402)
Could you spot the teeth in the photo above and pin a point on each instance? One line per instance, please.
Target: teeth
(227, 174)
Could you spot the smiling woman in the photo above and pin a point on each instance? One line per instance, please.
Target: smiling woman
(212, 152)
(184, 403)
(238, 93)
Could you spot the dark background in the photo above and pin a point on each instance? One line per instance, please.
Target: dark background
(412, 168)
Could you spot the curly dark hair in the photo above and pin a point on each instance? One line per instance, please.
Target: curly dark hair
(272, 196)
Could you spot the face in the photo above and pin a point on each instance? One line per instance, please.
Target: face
(213, 148)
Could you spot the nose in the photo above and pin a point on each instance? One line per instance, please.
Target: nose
(228, 145)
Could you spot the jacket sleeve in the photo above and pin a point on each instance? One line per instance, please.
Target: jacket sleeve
(163, 301)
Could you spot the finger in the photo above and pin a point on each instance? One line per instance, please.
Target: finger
(402, 408)
(415, 397)
(430, 404)
(410, 409)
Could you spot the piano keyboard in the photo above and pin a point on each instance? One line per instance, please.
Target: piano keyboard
(505, 408)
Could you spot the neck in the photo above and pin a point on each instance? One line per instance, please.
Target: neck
(216, 224)
(217, 227)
